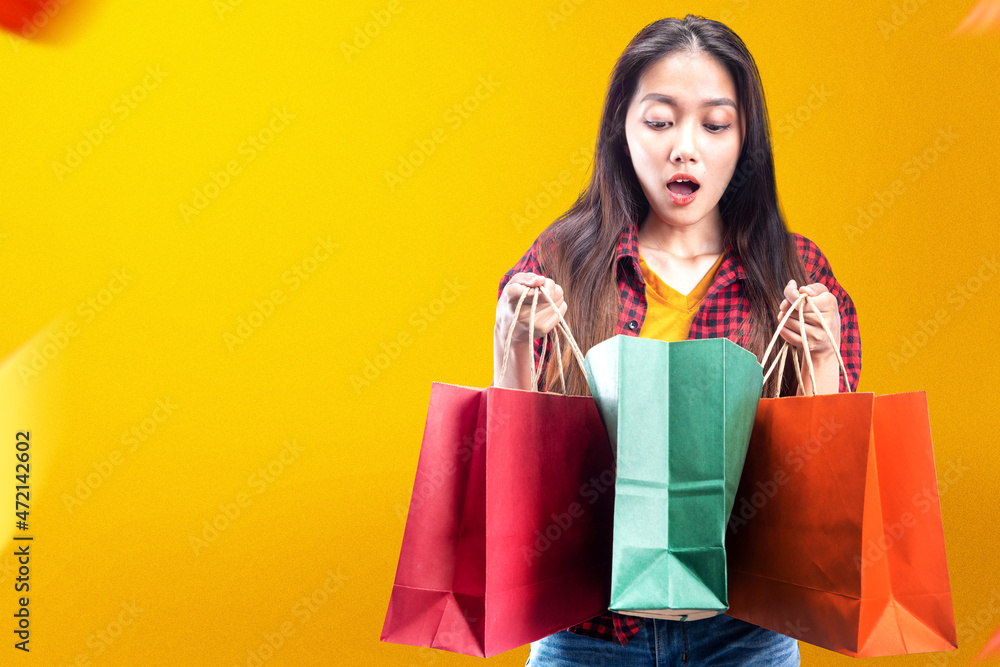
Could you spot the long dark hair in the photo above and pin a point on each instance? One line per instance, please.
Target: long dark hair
(586, 236)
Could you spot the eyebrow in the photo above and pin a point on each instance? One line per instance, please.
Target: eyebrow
(709, 102)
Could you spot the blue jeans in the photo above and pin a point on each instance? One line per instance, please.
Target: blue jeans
(719, 641)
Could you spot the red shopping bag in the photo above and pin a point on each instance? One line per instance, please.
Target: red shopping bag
(836, 536)
(508, 534)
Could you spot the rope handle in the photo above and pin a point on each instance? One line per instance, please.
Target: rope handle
(779, 360)
(561, 326)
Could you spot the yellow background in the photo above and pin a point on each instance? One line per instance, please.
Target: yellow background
(412, 274)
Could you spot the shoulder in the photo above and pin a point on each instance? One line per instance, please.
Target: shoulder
(816, 264)
(819, 271)
(532, 260)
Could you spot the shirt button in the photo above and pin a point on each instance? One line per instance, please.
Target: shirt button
(633, 325)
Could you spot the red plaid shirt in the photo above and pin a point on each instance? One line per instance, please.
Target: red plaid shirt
(724, 312)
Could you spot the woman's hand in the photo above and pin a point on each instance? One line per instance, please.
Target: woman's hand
(521, 361)
(545, 314)
(819, 343)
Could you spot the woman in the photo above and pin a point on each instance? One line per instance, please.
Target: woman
(678, 235)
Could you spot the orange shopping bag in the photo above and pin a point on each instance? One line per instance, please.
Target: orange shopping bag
(836, 536)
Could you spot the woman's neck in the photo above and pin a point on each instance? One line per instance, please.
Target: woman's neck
(704, 237)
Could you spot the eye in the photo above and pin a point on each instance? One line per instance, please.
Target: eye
(659, 125)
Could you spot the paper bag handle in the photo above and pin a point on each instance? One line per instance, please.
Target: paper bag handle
(779, 360)
(561, 325)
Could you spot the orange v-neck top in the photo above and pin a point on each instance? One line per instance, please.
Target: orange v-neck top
(669, 313)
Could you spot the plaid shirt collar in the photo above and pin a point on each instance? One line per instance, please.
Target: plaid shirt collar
(627, 261)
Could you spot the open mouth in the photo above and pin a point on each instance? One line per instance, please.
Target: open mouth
(682, 188)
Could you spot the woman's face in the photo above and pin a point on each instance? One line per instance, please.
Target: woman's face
(684, 118)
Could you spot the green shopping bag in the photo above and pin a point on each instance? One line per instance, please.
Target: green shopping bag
(679, 417)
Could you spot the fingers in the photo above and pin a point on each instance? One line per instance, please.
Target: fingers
(523, 281)
(519, 282)
(546, 316)
(815, 335)
(830, 315)
(793, 338)
(819, 295)
(791, 292)
(553, 290)
(528, 278)
(826, 304)
(823, 300)
(814, 329)
(815, 289)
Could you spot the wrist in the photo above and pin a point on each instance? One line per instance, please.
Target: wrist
(826, 369)
(820, 358)
(502, 329)
(826, 355)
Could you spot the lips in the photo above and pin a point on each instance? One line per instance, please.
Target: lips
(682, 188)
(683, 184)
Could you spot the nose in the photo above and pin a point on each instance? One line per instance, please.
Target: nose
(684, 149)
